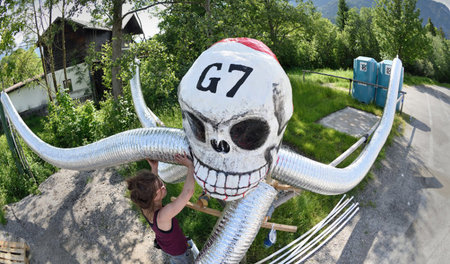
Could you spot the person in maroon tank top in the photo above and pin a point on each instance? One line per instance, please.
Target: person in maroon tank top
(147, 191)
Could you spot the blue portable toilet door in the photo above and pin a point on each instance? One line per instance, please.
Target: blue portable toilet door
(365, 70)
(384, 76)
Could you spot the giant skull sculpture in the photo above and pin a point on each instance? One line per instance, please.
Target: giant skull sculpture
(236, 101)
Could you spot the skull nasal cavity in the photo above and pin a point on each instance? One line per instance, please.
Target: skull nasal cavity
(221, 146)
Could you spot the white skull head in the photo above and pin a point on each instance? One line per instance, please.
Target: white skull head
(236, 101)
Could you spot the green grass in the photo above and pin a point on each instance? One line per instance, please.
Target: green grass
(420, 80)
(323, 79)
(170, 117)
(312, 102)
(13, 186)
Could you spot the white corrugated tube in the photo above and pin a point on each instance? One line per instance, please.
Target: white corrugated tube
(132, 145)
(167, 172)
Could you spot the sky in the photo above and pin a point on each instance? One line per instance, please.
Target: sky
(149, 23)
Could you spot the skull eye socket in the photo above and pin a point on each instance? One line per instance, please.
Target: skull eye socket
(250, 134)
(197, 127)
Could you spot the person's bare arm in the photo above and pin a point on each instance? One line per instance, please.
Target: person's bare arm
(169, 211)
(154, 165)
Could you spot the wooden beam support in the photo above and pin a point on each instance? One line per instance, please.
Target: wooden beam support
(283, 187)
(217, 213)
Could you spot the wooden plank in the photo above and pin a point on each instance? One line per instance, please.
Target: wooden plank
(8, 244)
(10, 256)
(280, 227)
(284, 187)
(7, 261)
(268, 225)
(13, 252)
(206, 210)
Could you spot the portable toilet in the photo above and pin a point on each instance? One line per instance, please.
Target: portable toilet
(384, 75)
(364, 69)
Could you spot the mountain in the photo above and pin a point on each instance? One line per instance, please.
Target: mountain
(439, 12)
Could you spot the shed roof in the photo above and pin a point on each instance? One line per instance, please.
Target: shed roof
(129, 23)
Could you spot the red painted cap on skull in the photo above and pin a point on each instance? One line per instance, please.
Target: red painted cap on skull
(251, 43)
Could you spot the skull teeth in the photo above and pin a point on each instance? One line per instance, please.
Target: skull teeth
(225, 185)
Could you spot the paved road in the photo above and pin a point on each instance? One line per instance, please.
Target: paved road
(405, 209)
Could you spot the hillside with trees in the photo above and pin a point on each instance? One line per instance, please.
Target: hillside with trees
(429, 9)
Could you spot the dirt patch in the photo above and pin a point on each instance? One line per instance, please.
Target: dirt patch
(81, 217)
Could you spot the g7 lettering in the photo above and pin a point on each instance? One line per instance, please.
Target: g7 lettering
(214, 81)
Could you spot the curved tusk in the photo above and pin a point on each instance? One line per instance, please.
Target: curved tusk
(133, 145)
(317, 177)
(238, 226)
(145, 115)
(167, 172)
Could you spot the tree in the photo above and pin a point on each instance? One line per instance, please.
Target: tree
(63, 36)
(341, 19)
(399, 30)
(48, 40)
(41, 51)
(441, 32)
(19, 66)
(20, 14)
(430, 27)
(111, 12)
(357, 38)
(324, 44)
(9, 25)
(189, 29)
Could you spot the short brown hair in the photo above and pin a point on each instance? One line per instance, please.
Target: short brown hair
(143, 187)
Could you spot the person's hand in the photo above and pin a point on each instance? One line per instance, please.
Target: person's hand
(153, 164)
(184, 160)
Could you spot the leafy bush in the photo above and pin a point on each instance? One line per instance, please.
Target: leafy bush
(13, 186)
(116, 116)
(70, 123)
(158, 78)
(436, 64)
(157, 71)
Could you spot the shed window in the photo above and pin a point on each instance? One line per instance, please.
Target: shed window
(68, 85)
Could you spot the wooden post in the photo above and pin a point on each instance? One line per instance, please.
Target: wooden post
(349, 87)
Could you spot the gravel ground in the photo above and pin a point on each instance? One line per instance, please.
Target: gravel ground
(81, 217)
